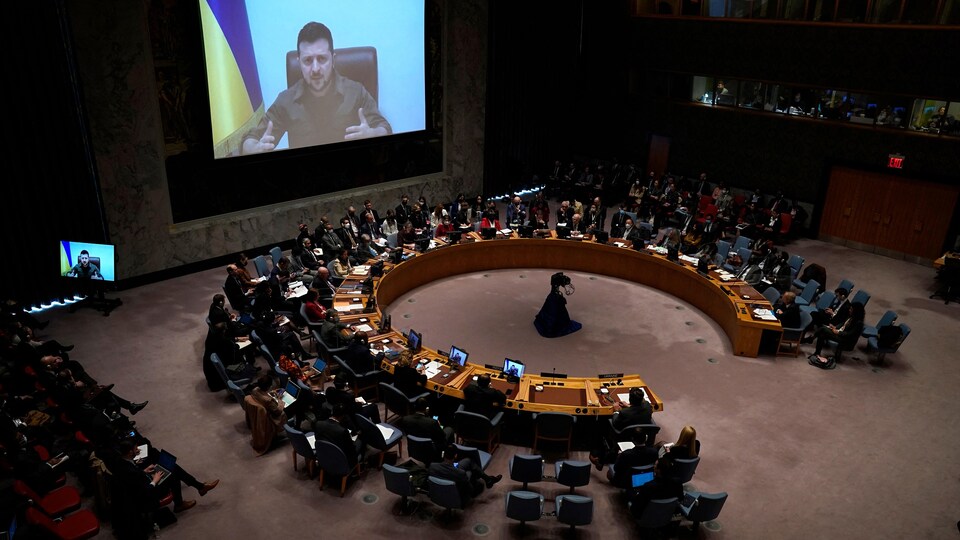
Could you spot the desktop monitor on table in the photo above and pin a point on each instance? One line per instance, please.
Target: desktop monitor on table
(414, 340)
(488, 233)
(458, 356)
(513, 369)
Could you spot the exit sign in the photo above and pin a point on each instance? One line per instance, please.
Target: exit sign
(895, 161)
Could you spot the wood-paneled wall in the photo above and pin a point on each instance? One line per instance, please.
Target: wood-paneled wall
(890, 213)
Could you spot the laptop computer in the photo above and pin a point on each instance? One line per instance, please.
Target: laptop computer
(289, 394)
(165, 465)
(640, 479)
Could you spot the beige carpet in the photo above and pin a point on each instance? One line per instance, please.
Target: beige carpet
(855, 453)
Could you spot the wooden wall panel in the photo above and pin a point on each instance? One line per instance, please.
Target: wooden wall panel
(891, 213)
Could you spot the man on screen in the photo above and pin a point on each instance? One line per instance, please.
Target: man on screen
(323, 107)
(84, 269)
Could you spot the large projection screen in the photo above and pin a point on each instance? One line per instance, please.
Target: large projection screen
(261, 103)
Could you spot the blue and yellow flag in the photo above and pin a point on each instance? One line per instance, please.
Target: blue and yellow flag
(236, 102)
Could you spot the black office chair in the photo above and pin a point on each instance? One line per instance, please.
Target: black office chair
(355, 63)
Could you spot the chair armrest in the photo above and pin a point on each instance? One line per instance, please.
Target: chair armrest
(495, 421)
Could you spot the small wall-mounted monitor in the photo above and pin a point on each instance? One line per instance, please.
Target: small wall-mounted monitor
(458, 356)
(87, 261)
(513, 368)
(414, 340)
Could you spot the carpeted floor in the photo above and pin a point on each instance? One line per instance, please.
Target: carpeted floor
(855, 453)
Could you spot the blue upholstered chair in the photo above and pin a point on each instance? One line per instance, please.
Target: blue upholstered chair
(573, 474)
(574, 510)
(374, 436)
(398, 482)
(444, 493)
(331, 460)
(300, 443)
(704, 507)
(526, 468)
(523, 506)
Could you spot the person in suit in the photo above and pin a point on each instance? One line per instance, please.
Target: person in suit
(516, 212)
(403, 210)
(137, 491)
(347, 237)
(618, 223)
(309, 259)
(663, 486)
(325, 288)
(420, 424)
(331, 330)
(468, 476)
(358, 355)
(220, 314)
(481, 398)
(330, 242)
(577, 225)
(597, 215)
(638, 411)
(787, 310)
(371, 227)
(235, 290)
(780, 272)
(643, 453)
(838, 311)
(845, 335)
(333, 428)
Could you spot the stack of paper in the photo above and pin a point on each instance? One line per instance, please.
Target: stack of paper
(386, 431)
(432, 369)
(353, 307)
(764, 314)
(363, 328)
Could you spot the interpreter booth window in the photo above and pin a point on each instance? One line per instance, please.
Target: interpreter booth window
(799, 101)
(927, 115)
(715, 91)
(893, 112)
(933, 116)
(752, 95)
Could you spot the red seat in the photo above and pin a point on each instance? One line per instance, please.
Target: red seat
(786, 220)
(76, 526)
(56, 503)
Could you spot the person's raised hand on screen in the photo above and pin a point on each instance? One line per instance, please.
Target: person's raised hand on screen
(265, 143)
(363, 130)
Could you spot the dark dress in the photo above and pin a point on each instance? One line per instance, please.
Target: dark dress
(553, 319)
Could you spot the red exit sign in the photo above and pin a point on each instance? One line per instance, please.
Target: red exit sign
(895, 161)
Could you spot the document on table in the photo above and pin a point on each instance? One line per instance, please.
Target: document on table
(764, 314)
(432, 369)
(506, 232)
(626, 397)
(244, 344)
(353, 307)
(363, 327)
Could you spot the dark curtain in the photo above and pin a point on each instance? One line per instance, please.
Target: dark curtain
(50, 192)
(556, 86)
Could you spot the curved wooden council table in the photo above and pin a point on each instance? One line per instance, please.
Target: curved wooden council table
(729, 304)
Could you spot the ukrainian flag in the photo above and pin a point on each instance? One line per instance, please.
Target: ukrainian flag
(236, 102)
